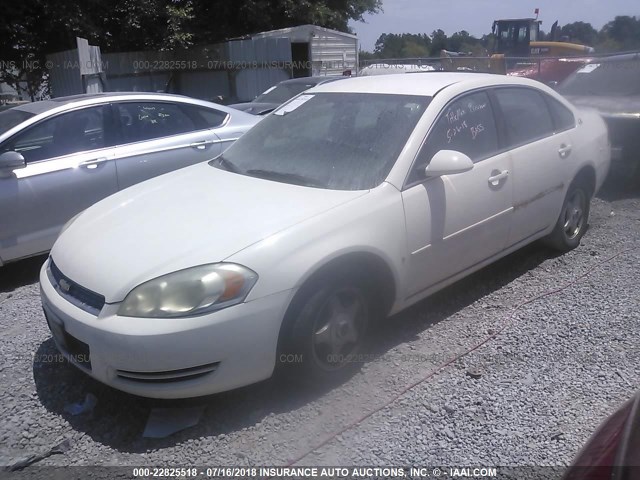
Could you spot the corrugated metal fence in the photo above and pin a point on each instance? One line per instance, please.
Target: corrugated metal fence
(233, 71)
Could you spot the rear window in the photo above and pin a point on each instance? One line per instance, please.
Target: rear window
(526, 115)
(11, 118)
(563, 118)
(283, 92)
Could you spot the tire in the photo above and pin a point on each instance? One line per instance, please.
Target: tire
(326, 329)
(573, 219)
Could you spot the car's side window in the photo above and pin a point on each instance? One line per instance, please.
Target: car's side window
(563, 118)
(73, 132)
(526, 115)
(205, 117)
(465, 125)
(148, 120)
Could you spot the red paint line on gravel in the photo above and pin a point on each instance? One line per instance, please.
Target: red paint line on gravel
(430, 374)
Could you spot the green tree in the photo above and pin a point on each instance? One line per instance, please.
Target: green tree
(31, 29)
(623, 33)
(464, 42)
(438, 42)
(579, 32)
(405, 45)
(217, 20)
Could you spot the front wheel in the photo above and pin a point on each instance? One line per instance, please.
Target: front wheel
(327, 330)
(572, 223)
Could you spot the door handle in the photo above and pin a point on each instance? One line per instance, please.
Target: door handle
(201, 145)
(564, 151)
(91, 164)
(498, 176)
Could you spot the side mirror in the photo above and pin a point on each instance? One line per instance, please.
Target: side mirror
(448, 162)
(9, 161)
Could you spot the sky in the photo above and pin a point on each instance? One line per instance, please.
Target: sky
(476, 16)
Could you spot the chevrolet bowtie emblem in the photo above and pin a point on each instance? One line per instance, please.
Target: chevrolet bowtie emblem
(64, 285)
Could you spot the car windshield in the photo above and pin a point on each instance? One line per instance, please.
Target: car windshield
(282, 92)
(608, 78)
(338, 141)
(12, 117)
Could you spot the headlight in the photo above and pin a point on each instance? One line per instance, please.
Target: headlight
(190, 292)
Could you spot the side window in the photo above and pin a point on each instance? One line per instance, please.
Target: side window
(64, 134)
(526, 115)
(563, 118)
(522, 34)
(205, 117)
(148, 120)
(465, 125)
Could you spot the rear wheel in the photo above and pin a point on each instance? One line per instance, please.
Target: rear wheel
(572, 223)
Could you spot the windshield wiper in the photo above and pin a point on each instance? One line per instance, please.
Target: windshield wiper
(225, 164)
(286, 177)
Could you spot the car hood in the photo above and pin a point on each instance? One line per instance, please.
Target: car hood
(610, 106)
(189, 217)
(255, 108)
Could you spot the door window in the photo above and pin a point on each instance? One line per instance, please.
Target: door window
(205, 117)
(148, 120)
(563, 118)
(526, 115)
(65, 134)
(466, 125)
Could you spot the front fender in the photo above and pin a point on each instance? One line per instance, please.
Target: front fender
(373, 224)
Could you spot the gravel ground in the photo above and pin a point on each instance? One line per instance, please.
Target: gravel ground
(549, 373)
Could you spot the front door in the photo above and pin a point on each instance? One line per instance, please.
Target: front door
(69, 167)
(456, 221)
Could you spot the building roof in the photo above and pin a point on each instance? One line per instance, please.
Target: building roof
(301, 33)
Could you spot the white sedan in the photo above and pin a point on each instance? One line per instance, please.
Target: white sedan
(351, 202)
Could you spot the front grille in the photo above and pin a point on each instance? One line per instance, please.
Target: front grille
(168, 376)
(76, 294)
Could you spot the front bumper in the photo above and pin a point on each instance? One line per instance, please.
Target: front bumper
(168, 358)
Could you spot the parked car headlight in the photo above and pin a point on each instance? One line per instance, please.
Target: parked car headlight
(190, 292)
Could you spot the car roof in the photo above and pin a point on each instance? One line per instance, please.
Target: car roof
(419, 83)
(312, 80)
(45, 105)
(623, 57)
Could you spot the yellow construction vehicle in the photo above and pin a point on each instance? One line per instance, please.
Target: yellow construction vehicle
(518, 50)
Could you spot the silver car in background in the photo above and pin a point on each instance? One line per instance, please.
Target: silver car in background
(58, 157)
(275, 96)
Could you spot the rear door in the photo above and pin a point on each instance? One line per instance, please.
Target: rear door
(69, 167)
(158, 137)
(540, 150)
(456, 221)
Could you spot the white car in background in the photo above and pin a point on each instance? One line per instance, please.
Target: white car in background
(352, 201)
